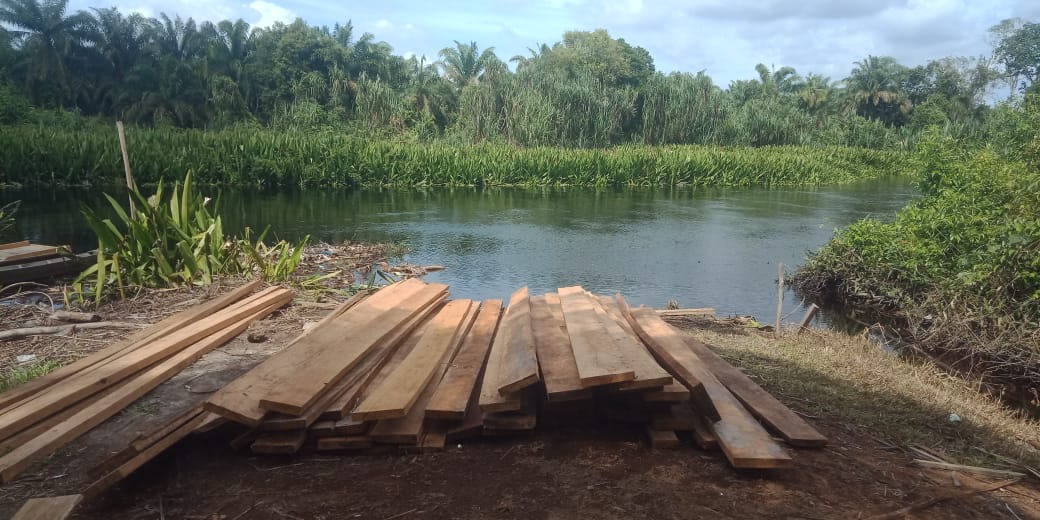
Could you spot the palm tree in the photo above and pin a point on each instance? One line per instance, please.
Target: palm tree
(815, 92)
(177, 38)
(230, 45)
(784, 80)
(464, 64)
(522, 61)
(48, 38)
(874, 87)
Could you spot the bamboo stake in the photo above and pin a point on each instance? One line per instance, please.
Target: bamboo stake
(779, 299)
(126, 167)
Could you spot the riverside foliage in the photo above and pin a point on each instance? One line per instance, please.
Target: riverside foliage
(49, 156)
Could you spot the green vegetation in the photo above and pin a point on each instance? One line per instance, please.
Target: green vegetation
(962, 263)
(24, 373)
(173, 240)
(7, 212)
(267, 158)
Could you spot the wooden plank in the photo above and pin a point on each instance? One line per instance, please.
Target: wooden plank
(553, 345)
(12, 245)
(67, 392)
(702, 433)
(137, 339)
(345, 442)
(279, 443)
(744, 441)
(599, 359)
(435, 438)
(324, 358)
(490, 399)
(673, 393)
(396, 395)
(662, 439)
(159, 445)
(472, 424)
(679, 417)
(456, 390)
(760, 403)
(510, 421)
(50, 508)
(17, 460)
(518, 368)
(409, 429)
(366, 371)
(142, 442)
(239, 400)
(29, 252)
(649, 373)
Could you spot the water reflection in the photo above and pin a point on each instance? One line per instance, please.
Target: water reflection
(703, 247)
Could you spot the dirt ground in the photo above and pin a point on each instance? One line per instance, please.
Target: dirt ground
(576, 471)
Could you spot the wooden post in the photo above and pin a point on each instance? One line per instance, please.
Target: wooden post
(126, 167)
(779, 299)
(809, 315)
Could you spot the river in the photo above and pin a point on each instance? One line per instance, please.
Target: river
(701, 247)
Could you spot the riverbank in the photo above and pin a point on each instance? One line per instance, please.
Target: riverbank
(874, 408)
(41, 156)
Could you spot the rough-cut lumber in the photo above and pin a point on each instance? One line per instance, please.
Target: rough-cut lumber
(239, 400)
(50, 508)
(346, 442)
(435, 437)
(324, 358)
(599, 359)
(649, 373)
(174, 322)
(64, 329)
(456, 390)
(519, 364)
(143, 441)
(662, 439)
(679, 417)
(279, 442)
(397, 394)
(409, 429)
(490, 399)
(673, 393)
(559, 370)
(12, 245)
(745, 443)
(510, 421)
(702, 433)
(67, 392)
(16, 254)
(17, 460)
(146, 454)
(760, 403)
(357, 384)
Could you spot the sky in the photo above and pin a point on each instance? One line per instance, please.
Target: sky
(724, 38)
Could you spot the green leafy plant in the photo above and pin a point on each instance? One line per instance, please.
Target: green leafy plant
(7, 212)
(273, 263)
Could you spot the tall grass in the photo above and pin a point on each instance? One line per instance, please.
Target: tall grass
(248, 156)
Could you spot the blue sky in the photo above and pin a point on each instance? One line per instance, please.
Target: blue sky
(725, 38)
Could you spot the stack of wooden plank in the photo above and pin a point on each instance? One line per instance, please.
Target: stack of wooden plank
(41, 416)
(407, 368)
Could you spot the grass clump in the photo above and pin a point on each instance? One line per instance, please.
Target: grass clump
(27, 372)
(904, 402)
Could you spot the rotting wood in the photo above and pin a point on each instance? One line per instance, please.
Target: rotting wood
(397, 394)
(553, 345)
(597, 356)
(7, 335)
(146, 454)
(456, 390)
(50, 508)
(745, 443)
(17, 460)
(519, 363)
(760, 403)
(164, 327)
(323, 358)
(88, 382)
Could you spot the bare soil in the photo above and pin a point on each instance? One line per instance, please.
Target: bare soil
(577, 471)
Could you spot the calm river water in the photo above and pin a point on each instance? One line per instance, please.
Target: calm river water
(702, 247)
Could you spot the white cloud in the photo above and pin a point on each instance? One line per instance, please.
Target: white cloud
(270, 13)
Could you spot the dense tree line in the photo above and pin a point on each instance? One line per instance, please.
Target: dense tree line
(589, 89)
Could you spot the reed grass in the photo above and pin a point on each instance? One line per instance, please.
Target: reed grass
(249, 156)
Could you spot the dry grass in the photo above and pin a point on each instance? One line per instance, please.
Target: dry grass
(904, 402)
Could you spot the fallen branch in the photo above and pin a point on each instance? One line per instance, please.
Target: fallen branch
(924, 504)
(969, 469)
(62, 329)
(75, 317)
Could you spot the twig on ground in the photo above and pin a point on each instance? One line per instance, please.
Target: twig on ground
(61, 329)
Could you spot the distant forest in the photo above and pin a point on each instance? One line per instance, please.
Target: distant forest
(587, 90)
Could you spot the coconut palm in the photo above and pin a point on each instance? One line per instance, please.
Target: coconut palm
(464, 64)
(48, 37)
